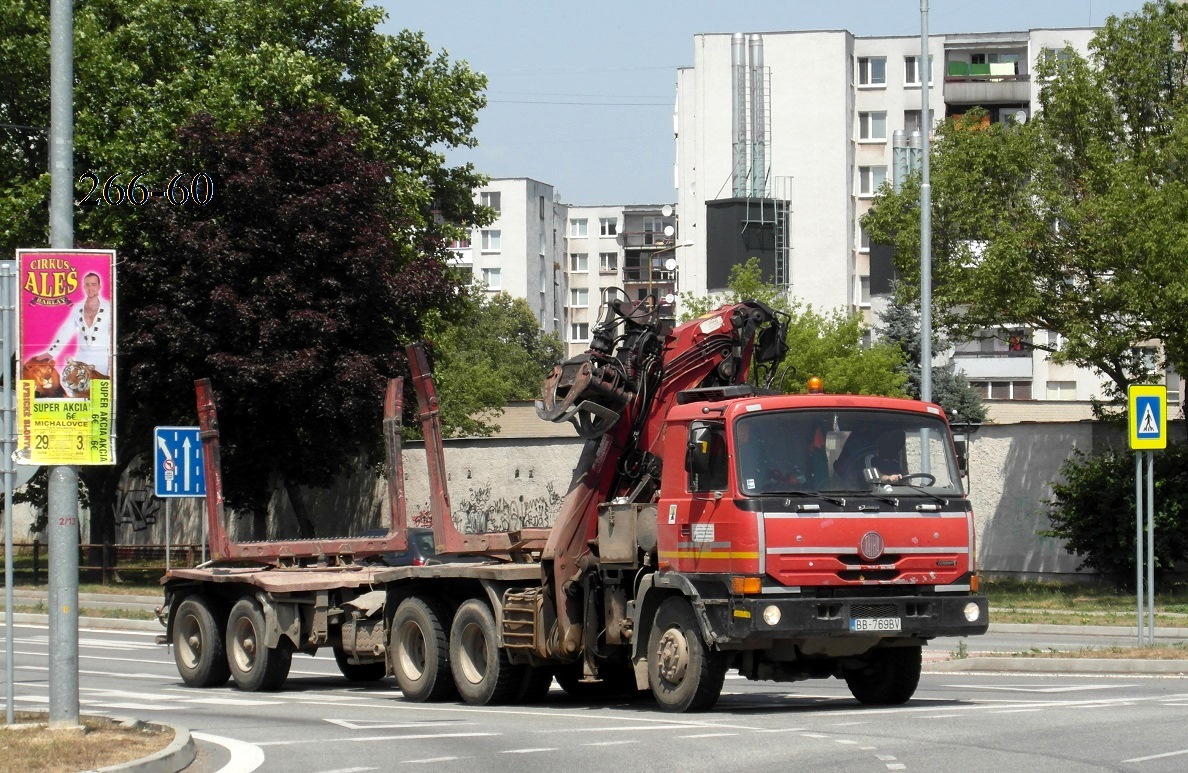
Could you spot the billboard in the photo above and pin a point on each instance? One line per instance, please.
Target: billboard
(66, 332)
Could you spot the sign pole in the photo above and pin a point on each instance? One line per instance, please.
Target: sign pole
(7, 328)
(1138, 539)
(168, 541)
(1151, 545)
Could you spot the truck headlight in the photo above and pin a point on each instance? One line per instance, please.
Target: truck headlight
(771, 615)
(972, 612)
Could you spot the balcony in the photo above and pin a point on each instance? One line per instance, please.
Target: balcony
(994, 364)
(985, 84)
(645, 239)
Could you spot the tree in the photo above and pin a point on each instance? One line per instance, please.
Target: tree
(493, 353)
(1075, 222)
(146, 68)
(828, 345)
(950, 389)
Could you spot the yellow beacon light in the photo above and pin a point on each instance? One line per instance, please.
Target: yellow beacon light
(814, 385)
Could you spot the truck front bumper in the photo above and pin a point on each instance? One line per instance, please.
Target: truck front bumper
(753, 619)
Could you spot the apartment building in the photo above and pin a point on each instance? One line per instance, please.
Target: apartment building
(625, 247)
(522, 252)
(783, 139)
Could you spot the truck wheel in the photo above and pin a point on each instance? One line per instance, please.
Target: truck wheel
(359, 672)
(199, 627)
(420, 651)
(537, 682)
(888, 678)
(481, 669)
(255, 667)
(685, 675)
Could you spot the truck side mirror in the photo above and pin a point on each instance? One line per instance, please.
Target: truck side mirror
(961, 446)
(697, 455)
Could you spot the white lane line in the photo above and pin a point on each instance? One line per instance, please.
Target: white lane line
(941, 716)
(1158, 756)
(410, 737)
(707, 735)
(1016, 711)
(432, 760)
(527, 751)
(896, 766)
(245, 757)
(885, 757)
(608, 743)
(367, 724)
(815, 735)
(846, 741)
(781, 730)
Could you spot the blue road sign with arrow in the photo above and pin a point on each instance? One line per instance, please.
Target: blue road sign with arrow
(177, 467)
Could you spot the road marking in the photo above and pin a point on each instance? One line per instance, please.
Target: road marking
(367, 724)
(707, 735)
(608, 743)
(1158, 756)
(1015, 711)
(526, 751)
(411, 737)
(433, 759)
(1038, 688)
(846, 741)
(349, 770)
(245, 757)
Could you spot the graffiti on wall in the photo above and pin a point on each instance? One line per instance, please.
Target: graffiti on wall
(136, 507)
(480, 512)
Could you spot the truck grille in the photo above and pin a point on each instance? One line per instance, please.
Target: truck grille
(874, 610)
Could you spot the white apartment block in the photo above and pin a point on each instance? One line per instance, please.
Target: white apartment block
(623, 247)
(522, 252)
(783, 138)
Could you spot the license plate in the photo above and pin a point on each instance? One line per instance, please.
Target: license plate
(876, 624)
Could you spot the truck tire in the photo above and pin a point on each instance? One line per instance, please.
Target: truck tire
(537, 682)
(359, 672)
(420, 651)
(481, 669)
(254, 667)
(889, 677)
(199, 629)
(684, 673)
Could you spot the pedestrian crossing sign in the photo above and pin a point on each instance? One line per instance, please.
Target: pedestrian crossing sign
(1147, 417)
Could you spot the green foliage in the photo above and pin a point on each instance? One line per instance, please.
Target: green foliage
(303, 255)
(827, 344)
(493, 353)
(1074, 222)
(950, 389)
(1092, 509)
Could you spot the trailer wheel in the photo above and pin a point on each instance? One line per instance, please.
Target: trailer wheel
(199, 628)
(254, 666)
(481, 669)
(889, 677)
(420, 651)
(359, 672)
(685, 674)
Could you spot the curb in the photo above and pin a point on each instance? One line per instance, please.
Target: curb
(114, 623)
(1060, 665)
(172, 759)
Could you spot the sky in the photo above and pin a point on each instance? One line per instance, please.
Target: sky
(580, 95)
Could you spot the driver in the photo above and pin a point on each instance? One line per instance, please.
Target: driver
(888, 457)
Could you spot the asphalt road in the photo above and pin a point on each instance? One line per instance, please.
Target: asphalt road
(322, 723)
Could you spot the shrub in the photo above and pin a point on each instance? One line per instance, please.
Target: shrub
(1093, 511)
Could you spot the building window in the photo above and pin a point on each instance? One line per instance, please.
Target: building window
(872, 71)
(911, 121)
(490, 199)
(608, 226)
(460, 244)
(870, 178)
(543, 243)
(579, 262)
(491, 240)
(864, 291)
(492, 278)
(1002, 390)
(608, 262)
(579, 332)
(863, 239)
(872, 126)
(1062, 390)
(577, 228)
(579, 297)
(911, 70)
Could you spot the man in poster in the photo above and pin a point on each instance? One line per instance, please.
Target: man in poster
(67, 323)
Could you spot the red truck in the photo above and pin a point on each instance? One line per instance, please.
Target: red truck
(711, 524)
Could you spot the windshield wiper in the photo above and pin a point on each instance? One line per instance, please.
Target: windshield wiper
(839, 501)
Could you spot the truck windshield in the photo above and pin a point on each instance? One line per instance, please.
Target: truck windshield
(843, 451)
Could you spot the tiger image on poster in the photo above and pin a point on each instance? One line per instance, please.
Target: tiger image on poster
(77, 377)
(42, 371)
